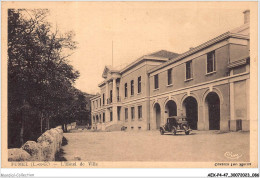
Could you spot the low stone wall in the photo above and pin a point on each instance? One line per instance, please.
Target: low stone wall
(47, 145)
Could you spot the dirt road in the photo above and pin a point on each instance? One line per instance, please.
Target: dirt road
(151, 146)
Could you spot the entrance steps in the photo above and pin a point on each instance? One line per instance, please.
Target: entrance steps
(107, 126)
(113, 127)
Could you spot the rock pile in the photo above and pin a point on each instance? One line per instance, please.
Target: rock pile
(47, 145)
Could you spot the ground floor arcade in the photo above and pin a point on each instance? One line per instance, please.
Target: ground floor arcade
(222, 105)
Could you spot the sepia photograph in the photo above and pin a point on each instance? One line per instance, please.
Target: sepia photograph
(129, 85)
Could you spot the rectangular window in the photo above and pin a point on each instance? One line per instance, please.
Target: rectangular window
(111, 116)
(169, 73)
(118, 113)
(111, 95)
(100, 102)
(139, 84)
(103, 99)
(188, 70)
(125, 89)
(117, 91)
(132, 87)
(104, 117)
(211, 62)
(156, 82)
(140, 112)
(132, 113)
(126, 114)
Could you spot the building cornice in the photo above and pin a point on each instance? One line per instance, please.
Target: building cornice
(142, 59)
(199, 48)
(216, 82)
(134, 64)
(95, 97)
(240, 62)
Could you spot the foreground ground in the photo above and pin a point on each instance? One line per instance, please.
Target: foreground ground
(151, 146)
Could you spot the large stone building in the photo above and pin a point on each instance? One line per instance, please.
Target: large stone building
(209, 84)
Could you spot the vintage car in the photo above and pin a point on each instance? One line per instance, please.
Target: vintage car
(176, 124)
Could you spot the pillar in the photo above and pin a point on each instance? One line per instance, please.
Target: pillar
(107, 92)
(201, 123)
(232, 121)
(246, 123)
(114, 91)
(114, 108)
(107, 115)
(232, 101)
(180, 111)
(146, 110)
(164, 115)
(206, 115)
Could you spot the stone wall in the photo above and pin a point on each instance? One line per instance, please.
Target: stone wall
(47, 145)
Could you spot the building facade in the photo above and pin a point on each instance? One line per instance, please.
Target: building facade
(209, 84)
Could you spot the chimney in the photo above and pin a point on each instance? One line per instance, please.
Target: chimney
(246, 16)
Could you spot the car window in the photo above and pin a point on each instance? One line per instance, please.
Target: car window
(171, 121)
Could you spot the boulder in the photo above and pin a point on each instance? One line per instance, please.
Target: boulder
(47, 143)
(17, 154)
(60, 134)
(55, 136)
(34, 149)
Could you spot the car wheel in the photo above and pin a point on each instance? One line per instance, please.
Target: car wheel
(161, 131)
(187, 132)
(174, 130)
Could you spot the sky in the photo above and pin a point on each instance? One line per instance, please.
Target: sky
(136, 29)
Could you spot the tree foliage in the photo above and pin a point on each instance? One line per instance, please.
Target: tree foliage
(40, 78)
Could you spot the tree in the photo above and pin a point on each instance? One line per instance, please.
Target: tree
(40, 78)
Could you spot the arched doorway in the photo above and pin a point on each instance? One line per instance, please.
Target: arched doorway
(157, 113)
(171, 108)
(190, 107)
(212, 102)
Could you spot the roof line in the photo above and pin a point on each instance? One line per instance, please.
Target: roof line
(198, 48)
(145, 57)
(94, 97)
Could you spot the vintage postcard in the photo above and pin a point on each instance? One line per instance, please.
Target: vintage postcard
(129, 85)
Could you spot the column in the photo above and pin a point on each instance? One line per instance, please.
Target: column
(232, 107)
(92, 121)
(165, 115)
(146, 110)
(107, 92)
(206, 115)
(232, 101)
(201, 123)
(180, 112)
(248, 98)
(107, 115)
(114, 108)
(114, 91)
(246, 123)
